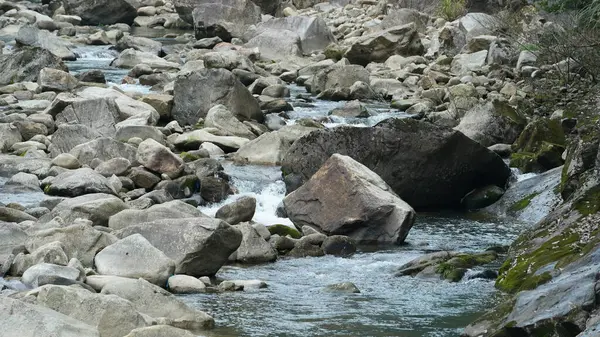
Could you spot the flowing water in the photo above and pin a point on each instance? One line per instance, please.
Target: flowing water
(295, 302)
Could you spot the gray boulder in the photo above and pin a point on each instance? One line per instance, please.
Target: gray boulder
(104, 149)
(23, 319)
(378, 47)
(155, 302)
(425, 165)
(254, 248)
(158, 158)
(105, 12)
(274, 44)
(224, 18)
(139, 43)
(160, 331)
(170, 210)
(238, 211)
(135, 257)
(79, 182)
(68, 136)
(199, 246)
(126, 132)
(198, 91)
(34, 37)
(21, 183)
(97, 208)
(51, 79)
(9, 135)
(14, 215)
(493, 123)
(183, 284)
(25, 63)
(100, 115)
(31, 275)
(221, 118)
(345, 198)
(115, 166)
(338, 77)
(111, 315)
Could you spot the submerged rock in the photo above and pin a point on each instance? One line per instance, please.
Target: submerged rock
(451, 266)
(344, 287)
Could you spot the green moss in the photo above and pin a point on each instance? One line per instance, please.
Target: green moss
(504, 109)
(188, 157)
(47, 188)
(519, 274)
(455, 268)
(537, 132)
(284, 230)
(523, 203)
(450, 272)
(590, 202)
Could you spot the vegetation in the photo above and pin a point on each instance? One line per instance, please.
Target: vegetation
(452, 9)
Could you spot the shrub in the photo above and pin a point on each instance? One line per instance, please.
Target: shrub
(452, 9)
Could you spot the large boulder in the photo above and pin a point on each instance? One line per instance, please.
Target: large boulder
(129, 107)
(378, 47)
(22, 183)
(199, 246)
(198, 91)
(99, 114)
(33, 274)
(135, 257)
(139, 43)
(429, 167)
(276, 45)
(11, 237)
(224, 18)
(32, 36)
(79, 241)
(169, 210)
(97, 208)
(221, 118)
(51, 79)
(313, 31)
(238, 211)
(104, 149)
(155, 302)
(110, 314)
(78, 182)
(158, 158)
(493, 123)
(254, 248)
(68, 136)
(338, 77)
(23, 319)
(25, 64)
(105, 12)
(344, 197)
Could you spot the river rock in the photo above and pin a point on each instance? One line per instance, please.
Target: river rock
(103, 149)
(129, 58)
(339, 245)
(339, 77)
(193, 139)
(31, 275)
(9, 135)
(11, 237)
(199, 246)
(94, 207)
(352, 109)
(143, 178)
(160, 331)
(10, 165)
(23, 319)
(357, 203)
(111, 315)
(170, 210)
(158, 158)
(105, 12)
(126, 132)
(344, 287)
(238, 211)
(139, 43)
(183, 284)
(379, 46)
(79, 182)
(135, 257)
(52, 252)
(115, 166)
(100, 115)
(155, 302)
(68, 136)
(493, 123)
(276, 45)
(22, 183)
(432, 176)
(32, 36)
(51, 79)
(198, 91)
(25, 64)
(14, 215)
(226, 19)
(221, 118)
(130, 109)
(254, 248)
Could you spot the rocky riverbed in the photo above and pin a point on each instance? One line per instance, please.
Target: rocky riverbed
(240, 168)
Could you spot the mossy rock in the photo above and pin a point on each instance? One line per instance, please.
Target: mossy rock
(482, 197)
(283, 230)
(547, 157)
(523, 203)
(455, 268)
(334, 52)
(189, 157)
(537, 132)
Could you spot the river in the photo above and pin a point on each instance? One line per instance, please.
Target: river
(295, 302)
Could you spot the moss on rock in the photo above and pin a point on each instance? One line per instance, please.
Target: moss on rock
(539, 147)
(523, 203)
(283, 230)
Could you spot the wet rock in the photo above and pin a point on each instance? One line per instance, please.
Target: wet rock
(339, 245)
(352, 109)
(241, 210)
(183, 284)
(451, 266)
(358, 203)
(253, 248)
(345, 287)
(284, 230)
(103, 12)
(188, 106)
(482, 197)
(305, 248)
(92, 76)
(135, 257)
(539, 147)
(417, 145)
(242, 285)
(190, 241)
(155, 302)
(214, 189)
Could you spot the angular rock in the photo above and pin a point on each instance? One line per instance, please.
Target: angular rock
(94, 207)
(32, 36)
(427, 166)
(277, 45)
(79, 182)
(199, 246)
(139, 43)
(313, 32)
(241, 210)
(31, 275)
(115, 166)
(155, 302)
(25, 64)
(198, 91)
(221, 118)
(51, 79)
(135, 257)
(338, 77)
(253, 249)
(100, 115)
(345, 198)
(224, 18)
(9, 136)
(192, 140)
(68, 136)
(378, 47)
(158, 158)
(105, 12)
(103, 149)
